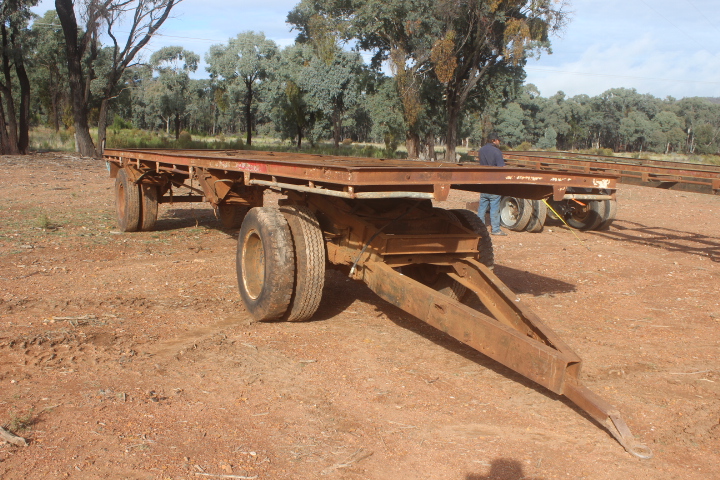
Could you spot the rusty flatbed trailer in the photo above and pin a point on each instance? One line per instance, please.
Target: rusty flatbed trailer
(689, 177)
(595, 210)
(376, 220)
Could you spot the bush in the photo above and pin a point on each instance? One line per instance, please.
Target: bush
(120, 124)
(606, 152)
(184, 139)
(524, 146)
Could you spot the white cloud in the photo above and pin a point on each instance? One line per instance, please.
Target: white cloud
(660, 47)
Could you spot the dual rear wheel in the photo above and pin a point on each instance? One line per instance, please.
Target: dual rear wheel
(136, 205)
(281, 263)
(519, 214)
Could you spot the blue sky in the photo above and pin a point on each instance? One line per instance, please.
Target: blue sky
(661, 47)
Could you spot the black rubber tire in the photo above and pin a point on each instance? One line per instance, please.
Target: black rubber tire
(471, 221)
(127, 203)
(148, 207)
(231, 215)
(515, 213)
(610, 214)
(309, 262)
(537, 219)
(265, 263)
(559, 207)
(586, 217)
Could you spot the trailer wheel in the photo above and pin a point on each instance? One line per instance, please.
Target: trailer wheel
(471, 221)
(149, 207)
(231, 215)
(537, 219)
(515, 213)
(587, 216)
(265, 263)
(127, 202)
(309, 262)
(610, 213)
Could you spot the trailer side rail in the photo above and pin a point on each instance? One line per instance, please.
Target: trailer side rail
(649, 173)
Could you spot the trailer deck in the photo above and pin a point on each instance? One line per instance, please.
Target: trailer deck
(685, 176)
(379, 221)
(356, 177)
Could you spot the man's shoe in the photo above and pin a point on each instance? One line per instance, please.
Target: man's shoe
(500, 233)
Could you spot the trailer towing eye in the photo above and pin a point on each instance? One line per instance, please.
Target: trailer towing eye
(608, 416)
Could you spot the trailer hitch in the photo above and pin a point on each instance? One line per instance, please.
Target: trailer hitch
(513, 336)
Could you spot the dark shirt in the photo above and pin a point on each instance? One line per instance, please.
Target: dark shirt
(491, 156)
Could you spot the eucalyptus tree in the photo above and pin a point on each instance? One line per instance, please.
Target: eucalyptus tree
(702, 123)
(511, 126)
(333, 87)
(141, 19)
(242, 63)
(14, 116)
(458, 43)
(666, 132)
(173, 66)
(286, 103)
(386, 112)
(49, 77)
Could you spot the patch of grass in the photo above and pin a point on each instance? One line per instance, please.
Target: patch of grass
(44, 138)
(43, 221)
(19, 423)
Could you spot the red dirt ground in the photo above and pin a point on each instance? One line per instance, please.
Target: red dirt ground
(130, 356)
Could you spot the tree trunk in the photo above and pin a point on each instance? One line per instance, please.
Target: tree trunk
(177, 126)
(24, 131)
(412, 143)
(102, 126)
(6, 91)
(248, 111)
(214, 118)
(24, 120)
(337, 127)
(430, 142)
(451, 136)
(55, 107)
(66, 14)
(10, 127)
(4, 139)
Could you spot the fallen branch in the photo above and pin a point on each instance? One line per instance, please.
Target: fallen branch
(14, 439)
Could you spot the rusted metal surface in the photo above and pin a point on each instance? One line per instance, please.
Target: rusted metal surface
(354, 177)
(377, 216)
(515, 338)
(649, 173)
(510, 333)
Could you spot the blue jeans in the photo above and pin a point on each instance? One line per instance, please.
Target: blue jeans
(488, 200)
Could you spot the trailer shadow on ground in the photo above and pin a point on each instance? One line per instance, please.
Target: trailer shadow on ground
(665, 238)
(524, 282)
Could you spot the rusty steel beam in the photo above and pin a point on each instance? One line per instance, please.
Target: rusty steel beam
(515, 338)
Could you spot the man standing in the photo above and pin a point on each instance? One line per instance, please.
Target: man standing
(491, 156)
